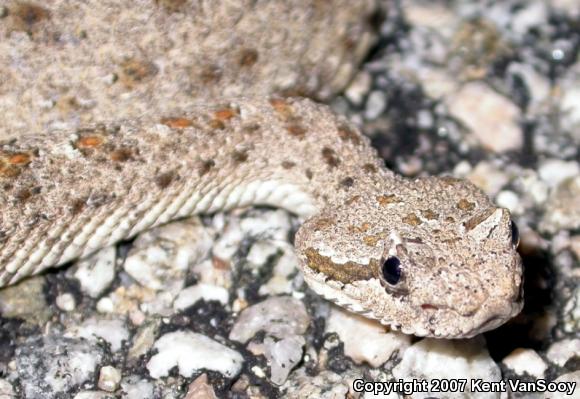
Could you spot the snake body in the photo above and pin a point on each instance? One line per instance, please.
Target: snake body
(432, 256)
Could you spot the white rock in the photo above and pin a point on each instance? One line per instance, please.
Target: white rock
(359, 87)
(190, 352)
(285, 266)
(6, 390)
(526, 361)
(489, 177)
(562, 351)
(555, 171)
(375, 105)
(190, 295)
(274, 224)
(105, 305)
(510, 200)
(109, 379)
(569, 7)
(531, 184)
(277, 316)
(215, 271)
(571, 316)
(563, 207)
(134, 387)
(160, 257)
(534, 13)
(572, 382)
(432, 358)
(569, 88)
(66, 302)
(96, 273)
(430, 15)
(112, 331)
(365, 340)
(284, 320)
(92, 395)
(491, 117)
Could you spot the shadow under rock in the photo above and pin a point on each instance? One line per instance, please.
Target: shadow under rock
(525, 330)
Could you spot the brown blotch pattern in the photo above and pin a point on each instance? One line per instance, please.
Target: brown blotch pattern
(77, 205)
(288, 164)
(329, 156)
(225, 114)
(347, 182)
(352, 200)
(177, 123)
(370, 168)
(429, 214)
(27, 15)
(322, 223)
(206, 166)
(248, 57)
(346, 133)
(240, 156)
(282, 108)
(385, 199)
(450, 181)
(90, 141)
(135, 71)
(217, 124)
(309, 174)
(363, 228)
(12, 163)
(296, 130)
(210, 74)
(412, 220)
(345, 273)
(371, 240)
(121, 155)
(171, 5)
(163, 180)
(465, 205)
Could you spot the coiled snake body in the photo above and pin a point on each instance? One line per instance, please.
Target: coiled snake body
(431, 256)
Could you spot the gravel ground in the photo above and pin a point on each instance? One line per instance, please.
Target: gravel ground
(214, 307)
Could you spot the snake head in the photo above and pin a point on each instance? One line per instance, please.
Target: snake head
(430, 257)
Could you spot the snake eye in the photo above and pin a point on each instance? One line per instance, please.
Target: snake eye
(392, 270)
(515, 234)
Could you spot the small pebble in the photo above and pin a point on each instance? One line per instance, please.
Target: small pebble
(562, 351)
(555, 171)
(136, 387)
(365, 340)
(510, 200)
(376, 104)
(113, 331)
(109, 379)
(190, 352)
(66, 302)
(491, 117)
(190, 295)
(526, 361)
(200, 389)
(96, 273)
(431, 359)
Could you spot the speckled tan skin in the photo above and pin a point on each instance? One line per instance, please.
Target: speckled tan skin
(66, 63)
(68, 193)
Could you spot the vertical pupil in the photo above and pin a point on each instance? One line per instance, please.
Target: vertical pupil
(392, 270)
(515, 234)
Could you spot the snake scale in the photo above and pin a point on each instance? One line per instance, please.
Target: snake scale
(429, 256)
